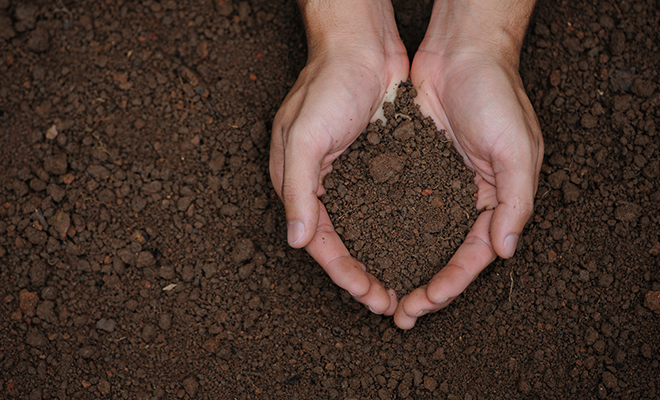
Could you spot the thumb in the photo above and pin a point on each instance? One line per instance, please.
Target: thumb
(516, 187)
(302, 170)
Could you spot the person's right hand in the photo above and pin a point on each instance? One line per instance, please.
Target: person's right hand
(466, 75)
(356, 59)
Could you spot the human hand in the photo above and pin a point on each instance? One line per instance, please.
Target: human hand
(355, 60)
(470, 86)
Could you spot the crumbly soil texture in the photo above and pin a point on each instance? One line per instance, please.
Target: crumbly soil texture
(143, 250)
(401, 198)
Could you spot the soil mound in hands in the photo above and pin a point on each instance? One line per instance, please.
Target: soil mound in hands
(401, 197)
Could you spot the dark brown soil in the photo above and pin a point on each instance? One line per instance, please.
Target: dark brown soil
(402, 199)
(143, 252)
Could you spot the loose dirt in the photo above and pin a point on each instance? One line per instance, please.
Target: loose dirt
(402, 199)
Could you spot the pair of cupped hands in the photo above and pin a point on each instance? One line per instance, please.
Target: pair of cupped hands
(466, 81)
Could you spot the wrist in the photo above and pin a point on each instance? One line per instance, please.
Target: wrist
(350, 25)
(493, 28)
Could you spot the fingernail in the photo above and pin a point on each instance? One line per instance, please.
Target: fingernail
(510, 245)
(295, 232)
(372, 310)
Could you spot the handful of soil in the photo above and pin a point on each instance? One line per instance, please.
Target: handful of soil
(401, 197)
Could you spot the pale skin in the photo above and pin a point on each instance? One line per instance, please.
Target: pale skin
(466, 75)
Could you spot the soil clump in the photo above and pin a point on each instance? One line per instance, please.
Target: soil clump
(401, 198)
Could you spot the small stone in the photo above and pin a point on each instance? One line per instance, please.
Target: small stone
(588, 121)
(385, 166)
(98, 172)
(165, 321)
(644, 88)
(61, 223)
(26, 10)
(224, 7)
(107, 325)
(571, 192)
(243, 250)
(245, 271)
(45, 312)
(166, 272)
(138, 203)
(39, 40)
(87, 351)
(212, 345)
(68, 179)
(555, 78)
(244, 10)
(106, 196)
(229, 210)
(609, 380)
(652, 301)
(104, 387)
(404, 131)
(56, 164)
(191, 386)
(627, 212)
(28, 301)
(605, 280)
(36, 394)
(646, 351)
(6, 30)
(38, 273)
(148, 332)
(524, 386)
(430, 384)
(49, 293)
(145, 259)
(373, 137)
(591, 336)
(35, 338)
(557, 179)
(183, 203)
(35, 236)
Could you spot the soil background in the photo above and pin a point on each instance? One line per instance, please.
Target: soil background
(143, 253)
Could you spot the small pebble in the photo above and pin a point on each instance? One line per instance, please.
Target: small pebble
(28, 301)
(107, 325)
(35, 338)
(652, 301)
(191, 386)
(243, 250)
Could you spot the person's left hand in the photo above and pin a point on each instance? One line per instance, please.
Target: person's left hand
(479, 99)
(356, 59)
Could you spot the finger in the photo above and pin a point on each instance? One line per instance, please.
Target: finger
(418, 297)
(486, 194)
(516, 181)
(393, 302)
(469, 260)
(302, 171)
(345, 271)
(377, 299)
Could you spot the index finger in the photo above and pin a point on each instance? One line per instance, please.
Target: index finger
(348, 273)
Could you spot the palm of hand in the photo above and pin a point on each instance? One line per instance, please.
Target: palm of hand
(328, 107)
(486, 113)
